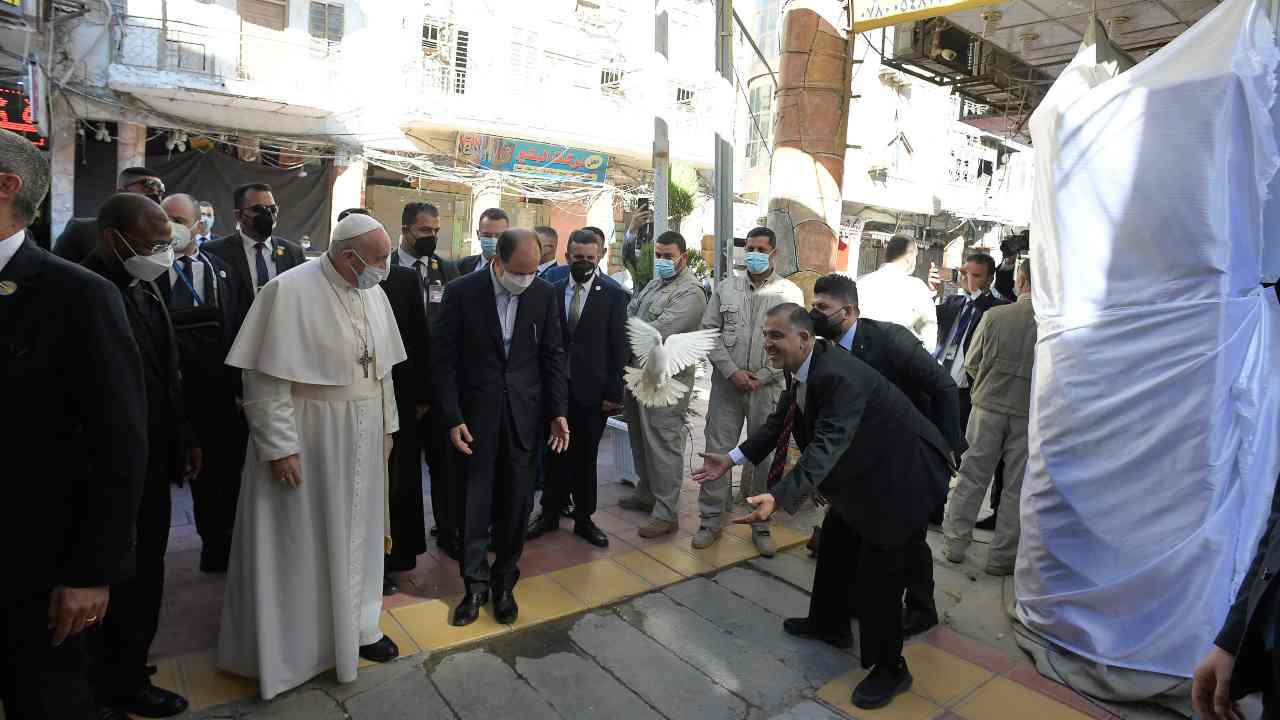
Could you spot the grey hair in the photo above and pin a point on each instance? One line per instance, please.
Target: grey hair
(184, 196)
(337, 247)
(19, 157)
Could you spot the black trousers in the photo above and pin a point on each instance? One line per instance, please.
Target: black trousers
(216, 490)
(574, 470)
(37, 680)
(118, 648)
(499, 479)
(857, 578)
(445, 465)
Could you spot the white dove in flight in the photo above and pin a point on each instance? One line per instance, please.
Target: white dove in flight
(651, 383)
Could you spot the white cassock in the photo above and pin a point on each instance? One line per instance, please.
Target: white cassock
(304, 588)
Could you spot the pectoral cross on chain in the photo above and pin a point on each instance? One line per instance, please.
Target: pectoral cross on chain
(365, 360)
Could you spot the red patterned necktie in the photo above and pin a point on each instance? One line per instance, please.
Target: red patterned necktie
(784, 444)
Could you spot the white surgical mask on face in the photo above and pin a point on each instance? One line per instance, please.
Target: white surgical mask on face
(516, 284)
(146, 268)
(371, 275)
(182, 237)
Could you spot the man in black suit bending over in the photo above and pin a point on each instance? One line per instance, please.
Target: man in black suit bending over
(594, 312)
(881, 465)
(499, 373)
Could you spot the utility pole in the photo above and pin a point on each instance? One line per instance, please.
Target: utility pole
(661, 101)
(809, 138)
(723, 191)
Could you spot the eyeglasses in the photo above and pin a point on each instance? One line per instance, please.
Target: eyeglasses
(145, 250)
(260, 208)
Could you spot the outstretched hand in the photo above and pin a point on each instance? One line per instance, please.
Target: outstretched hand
(764, 506)
(714, 465)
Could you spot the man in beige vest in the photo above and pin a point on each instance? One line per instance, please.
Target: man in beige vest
(743, 386)
(999, 362)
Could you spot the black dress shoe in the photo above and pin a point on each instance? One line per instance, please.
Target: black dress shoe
(543, 523)
(988, 524)
(882, 685)
(469, 609)
(916, 620)
(805, 628)
(389, 586)
(812, 545)
(452, 549)
(153, 702)
(588, 531)
(385, 650)
(505, 609)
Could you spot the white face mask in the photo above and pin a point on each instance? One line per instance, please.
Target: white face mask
(371, 275)
(182, 237)
(146, 268)
(516, 284)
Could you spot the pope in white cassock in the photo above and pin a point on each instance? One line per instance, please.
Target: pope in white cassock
(304, 588)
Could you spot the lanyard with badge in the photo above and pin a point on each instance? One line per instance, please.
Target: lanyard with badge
(187, 281)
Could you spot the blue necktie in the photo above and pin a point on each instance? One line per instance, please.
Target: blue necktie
(962, 325)
(261, 263)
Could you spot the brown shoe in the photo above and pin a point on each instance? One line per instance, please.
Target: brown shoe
(657, 528)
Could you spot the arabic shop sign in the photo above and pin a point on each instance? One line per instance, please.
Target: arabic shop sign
(872, 14)
(16, 114)
(532, 158)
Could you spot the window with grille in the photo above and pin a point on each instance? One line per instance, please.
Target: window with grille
(461, 50)
(684, 97)
(326, 21)
(433, 37)
(760, 106)
(523, 60)
(611, 80)
(271, 14)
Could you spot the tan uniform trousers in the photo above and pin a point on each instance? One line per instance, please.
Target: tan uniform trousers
(726, 412)
(992, 436)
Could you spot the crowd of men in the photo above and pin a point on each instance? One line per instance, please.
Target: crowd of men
(300, 399)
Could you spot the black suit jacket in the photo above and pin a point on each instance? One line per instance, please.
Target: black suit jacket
(230, 249)
(468, 264)
(949, 313)
(412, 385)
(1242, 632)
(475, 383)
(447, 273)
(227, 293)
(598, 348)
(896, 353)
(880, 463)
(76, 426)
(77, 240)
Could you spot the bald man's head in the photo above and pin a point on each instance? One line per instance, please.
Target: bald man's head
(182, 209)
(130, 224)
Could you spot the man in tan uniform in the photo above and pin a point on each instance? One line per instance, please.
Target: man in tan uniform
(673, 303)
(999, 361)
(743, 386)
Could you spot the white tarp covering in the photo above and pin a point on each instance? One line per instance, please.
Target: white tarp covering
(1156, 403)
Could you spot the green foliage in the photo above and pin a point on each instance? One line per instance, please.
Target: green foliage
(641, 268)
(698, 263)
(682, 186)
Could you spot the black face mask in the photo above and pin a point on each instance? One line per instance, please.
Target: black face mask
(425, 246)
(263, 224)
(823, 324)
(581, 270)
(157, 199)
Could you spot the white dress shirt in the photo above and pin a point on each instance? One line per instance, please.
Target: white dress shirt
(801, 377)
(893, 295)
(508, 306)
(846, 340)
(197, 276)
(582, 297)
(419, 264)
(9, 246)
(251, 255)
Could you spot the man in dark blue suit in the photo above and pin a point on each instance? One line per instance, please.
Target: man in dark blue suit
(593, 310)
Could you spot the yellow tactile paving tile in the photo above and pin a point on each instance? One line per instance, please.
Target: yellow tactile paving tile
(542, 599)
(682, 561)
(941, 676)
(839, 694)
(207, 686)
(428, 624)
(727, 550)
(656, 573)
(783, 537)
(1005, 698)
(394, 630)
(600, 582)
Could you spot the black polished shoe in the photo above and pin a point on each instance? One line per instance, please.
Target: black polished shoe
(451, 547)
(543, 523)
(469, 609)
(805, 628)
(389, 586)
(153, 702)
(588, 531)
(505, 609)
(882, 685)
(917, 620)
(385, 650)
(989, 523)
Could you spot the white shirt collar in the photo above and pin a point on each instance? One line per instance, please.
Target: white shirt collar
(802, 375)
(846, 340)
(406, 259)
(546, 265)
(9, 246)
(250, 242)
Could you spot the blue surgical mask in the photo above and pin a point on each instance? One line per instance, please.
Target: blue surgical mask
(757, 262)
(487, 246)
(665, 267)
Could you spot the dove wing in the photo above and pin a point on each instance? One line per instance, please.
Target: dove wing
(644, 338)
(685, 349)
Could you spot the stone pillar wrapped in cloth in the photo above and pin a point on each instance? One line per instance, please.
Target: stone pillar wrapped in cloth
(304, 588)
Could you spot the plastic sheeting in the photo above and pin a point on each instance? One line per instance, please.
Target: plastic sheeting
(1156, 402)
